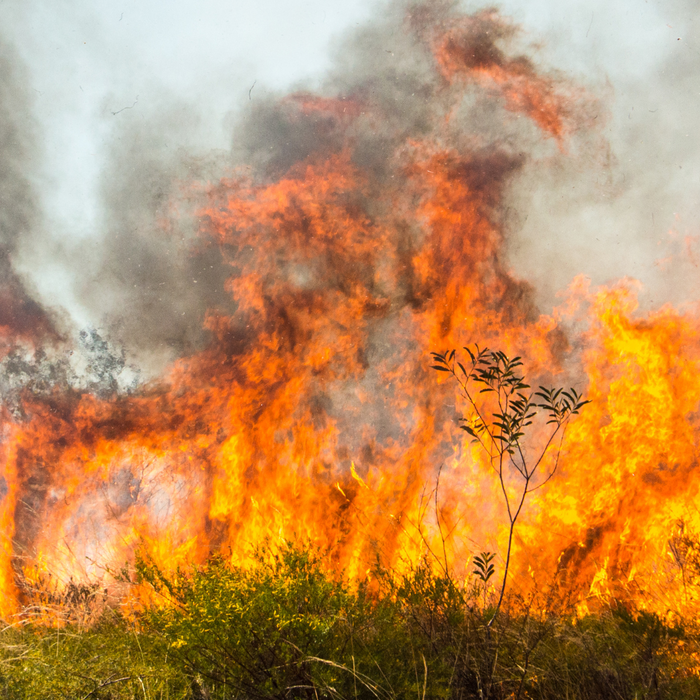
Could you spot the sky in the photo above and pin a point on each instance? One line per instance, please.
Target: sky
(113, 87)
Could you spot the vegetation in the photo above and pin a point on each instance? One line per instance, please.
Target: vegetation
(109, 659)
(288, 628)
(503, 428)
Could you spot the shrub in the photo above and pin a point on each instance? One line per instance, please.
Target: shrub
(287, 628)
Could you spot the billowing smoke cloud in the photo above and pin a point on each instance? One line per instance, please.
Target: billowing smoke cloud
(151, 281)
(21, 317)
(616, 200)
(622, 200)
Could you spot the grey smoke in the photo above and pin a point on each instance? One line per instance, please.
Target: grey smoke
(151, 283)
(604, 208)
(624, 199)
(19, 214)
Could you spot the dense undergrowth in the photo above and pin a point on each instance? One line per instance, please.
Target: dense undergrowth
(285, 628)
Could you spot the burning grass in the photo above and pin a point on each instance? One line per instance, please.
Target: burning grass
(287, 627)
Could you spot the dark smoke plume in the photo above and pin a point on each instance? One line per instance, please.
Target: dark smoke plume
(154, 280)
(21, 317)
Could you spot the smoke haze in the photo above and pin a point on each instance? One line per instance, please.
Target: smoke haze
(20, 314)
(131, 106)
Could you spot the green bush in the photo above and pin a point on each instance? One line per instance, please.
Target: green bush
(283, 628)
(617, 654)
(286, 627)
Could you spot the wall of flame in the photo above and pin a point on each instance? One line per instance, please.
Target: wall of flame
(312, 413)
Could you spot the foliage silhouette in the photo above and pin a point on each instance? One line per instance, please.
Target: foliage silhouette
(502, 426)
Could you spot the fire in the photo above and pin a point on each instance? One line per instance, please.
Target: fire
(467, 52)
(313, 414)
(637, 444)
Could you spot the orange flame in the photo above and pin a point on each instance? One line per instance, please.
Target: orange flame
(312, 412)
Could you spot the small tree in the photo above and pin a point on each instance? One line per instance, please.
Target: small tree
(502, 427)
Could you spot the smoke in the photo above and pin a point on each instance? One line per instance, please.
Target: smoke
(622, 199)
(152, 283)
(618, 199)
(21, 317)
